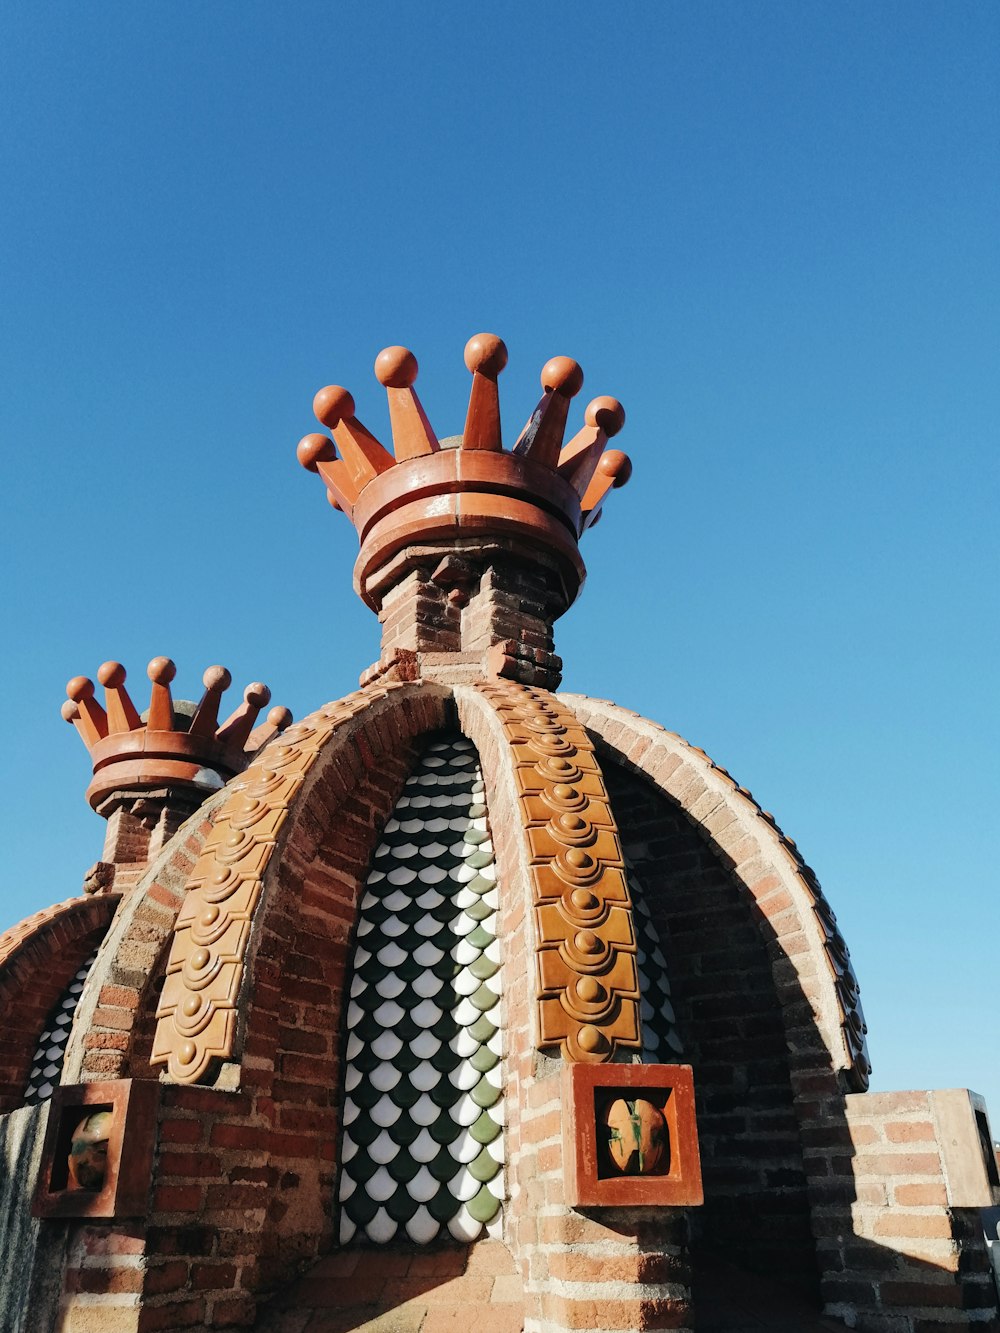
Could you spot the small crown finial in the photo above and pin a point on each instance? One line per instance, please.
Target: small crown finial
(332, 405)
(396, 367)
(70, 711)
(605, 413)
(111, 674)
(314, 449)
(161, 671)
(485, 353)
(563, 375)
(217, 678)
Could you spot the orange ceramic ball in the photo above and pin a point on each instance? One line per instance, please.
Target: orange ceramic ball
(486, 353)
(564, 374)
(111, 673)
(333, 405)
(161, 671)
(396, 367)
(314, 449)
(607, 413)
(616, 465)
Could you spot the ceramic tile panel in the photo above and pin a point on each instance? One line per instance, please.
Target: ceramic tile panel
(423, 1148)
(46, 1067)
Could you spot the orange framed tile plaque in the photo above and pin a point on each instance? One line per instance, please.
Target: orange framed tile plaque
(629, 1136)
(97, 1160)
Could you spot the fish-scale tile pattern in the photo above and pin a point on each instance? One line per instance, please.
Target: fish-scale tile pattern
(423, 1145)
(661, 1043)
(51, 1051)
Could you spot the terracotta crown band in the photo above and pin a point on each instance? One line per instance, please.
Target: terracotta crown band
(540, 495)
(171, 746)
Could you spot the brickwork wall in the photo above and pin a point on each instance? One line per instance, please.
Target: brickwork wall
(897, 1259)
(42, 957)
(628, 1269)
(729, 1018)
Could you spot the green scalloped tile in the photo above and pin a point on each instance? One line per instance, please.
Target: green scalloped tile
(444, 1094)
(484, 1060)
(484, 1206)
(485, 1129)
(445, 1029)
(483, 1029)
(484, 1094)
(479, 860)
(403, 1167)
(405, 1131)
(484, 968)
(404, 1094)
(443, 1166)
(361, 1167)
(480, 938)
(364, 1132)
(481, 884)
(365, 1060)
(444, 1060)
(483, 1168)
(360, 1208)
(364, 1095)
(479, 910)
(474, 837)
(476, 811)
(444, 1129)
(484, 999)
(368, 1028)
(400, 1206)
(443, 1207)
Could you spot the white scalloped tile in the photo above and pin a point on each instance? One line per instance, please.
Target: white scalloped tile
(348, 1148)
(383, 1150)
(465, 1013)
(427, 985)
(422, 1228)
(496, 1150)
(347, 1186)
(465, 983)
(424, 1111)
(396, 901)
(381, 1228)
(464, 1043)
(390, 986)
(466, 1149)
(388, 1015)
(424, 1148)
(347, 1229)
(425, 1014)
(425, 1076)
(352, 1078)
(464, 1227)
(385, 1112)
(358, 984)
(386, 1045)
(430, 899)
(354, 1014)
(432, 874)
(425, 1045)
(351, 1110)
(466, 953)
(384, 1077)
(463, 1076)
(464, 1186)
(467, 1112)
(423, 1186)
(391, 955)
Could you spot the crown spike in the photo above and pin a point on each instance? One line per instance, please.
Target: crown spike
(216, 681)
(277, 720)
(238, 726)
(578, 461)
(122, 714)
(317, 454)
(412, 434)
(613, 470)
(542, 437)
(485, 357)
(161, 672)
(363, 456)
(91, 720)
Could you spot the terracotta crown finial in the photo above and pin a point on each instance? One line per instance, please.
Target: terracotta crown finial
(541, 494)
(175, 746)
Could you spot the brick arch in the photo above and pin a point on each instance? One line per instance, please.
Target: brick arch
(811, 960)
(38, 959)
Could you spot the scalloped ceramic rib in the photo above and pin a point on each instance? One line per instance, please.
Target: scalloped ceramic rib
(587, 981)
(423, 1147)
(196, 1018)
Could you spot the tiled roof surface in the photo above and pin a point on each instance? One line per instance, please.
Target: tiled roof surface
(423, 1146)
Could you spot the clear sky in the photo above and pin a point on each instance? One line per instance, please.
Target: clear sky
(769, 228)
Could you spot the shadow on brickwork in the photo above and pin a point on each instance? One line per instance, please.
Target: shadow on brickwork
(774, 1244)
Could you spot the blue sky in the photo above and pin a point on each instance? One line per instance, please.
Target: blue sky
(769, 228)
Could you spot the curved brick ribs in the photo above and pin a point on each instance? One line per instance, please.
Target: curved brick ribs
(196, 1020)
(587, 978)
